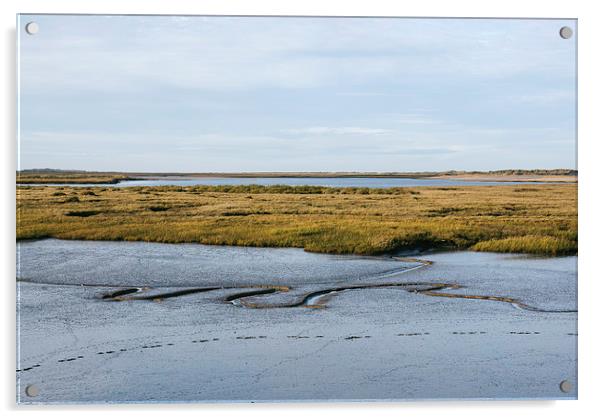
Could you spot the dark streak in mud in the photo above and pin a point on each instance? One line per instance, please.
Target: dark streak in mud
(171, 294)
(245, 294)
(120, 293)
(413, 334)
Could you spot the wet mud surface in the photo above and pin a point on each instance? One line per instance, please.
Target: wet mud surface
(96, 327)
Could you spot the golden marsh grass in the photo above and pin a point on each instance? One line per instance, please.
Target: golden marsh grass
(538, 219)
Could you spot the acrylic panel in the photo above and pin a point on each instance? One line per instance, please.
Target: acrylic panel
(235, 208)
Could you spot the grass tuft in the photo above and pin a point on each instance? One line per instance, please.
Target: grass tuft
(538, 245)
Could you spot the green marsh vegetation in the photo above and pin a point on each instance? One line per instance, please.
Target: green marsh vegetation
(537, 219)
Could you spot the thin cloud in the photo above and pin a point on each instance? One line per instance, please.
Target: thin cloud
(339, 131)
(415, 119)
(547, 97)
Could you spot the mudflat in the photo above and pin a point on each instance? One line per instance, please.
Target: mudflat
(202, 338)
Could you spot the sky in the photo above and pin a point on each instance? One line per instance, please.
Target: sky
(236, 94)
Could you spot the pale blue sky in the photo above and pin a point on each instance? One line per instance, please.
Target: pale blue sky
(139, 93)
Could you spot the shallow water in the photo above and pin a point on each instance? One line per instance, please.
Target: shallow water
(386, 340)
(363, 182)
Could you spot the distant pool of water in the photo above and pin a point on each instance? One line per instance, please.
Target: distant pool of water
(359, 182)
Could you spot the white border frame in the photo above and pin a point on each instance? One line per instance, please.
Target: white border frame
(590, 33)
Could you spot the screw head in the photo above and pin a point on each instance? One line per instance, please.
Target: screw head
(32, 28)
(565, 386)
(32, 390)
(566, 32)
